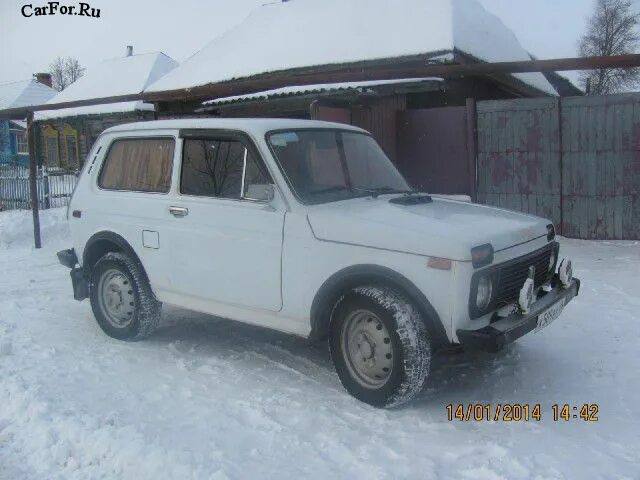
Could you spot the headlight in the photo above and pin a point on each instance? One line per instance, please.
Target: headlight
(483, 293)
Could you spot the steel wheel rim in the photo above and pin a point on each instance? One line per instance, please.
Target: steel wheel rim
(116, 299)
(367, 349)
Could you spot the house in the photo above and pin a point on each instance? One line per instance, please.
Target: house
(13, 137)
(290, 38)
(65, 136)
(297, 49)
(283, 42)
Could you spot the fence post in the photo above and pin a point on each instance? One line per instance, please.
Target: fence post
(33, 180)
(561, 161)
(472, 147)
(47, 190)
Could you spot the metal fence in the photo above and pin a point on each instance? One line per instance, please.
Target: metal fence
(575, 160)
(55, 187)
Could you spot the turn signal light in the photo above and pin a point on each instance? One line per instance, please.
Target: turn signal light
(439, 263)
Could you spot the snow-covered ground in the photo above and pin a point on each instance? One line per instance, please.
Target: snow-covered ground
(209, 398)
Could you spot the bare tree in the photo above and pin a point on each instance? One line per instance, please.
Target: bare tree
(58, 79)
(612, 30)
(72, 69)
(64, 71)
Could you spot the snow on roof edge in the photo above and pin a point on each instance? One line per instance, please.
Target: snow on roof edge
(294, 90)
(101, 109)
(444, 55)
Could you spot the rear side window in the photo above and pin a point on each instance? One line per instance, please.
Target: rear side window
(223, 168)
(138, 164)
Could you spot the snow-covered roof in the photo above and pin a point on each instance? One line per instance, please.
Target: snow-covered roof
(304, 33)
(318, 88)
(94, 110)
(118, 76)
(21, 124)
(24, 93)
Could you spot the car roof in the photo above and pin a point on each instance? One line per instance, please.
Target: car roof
(257, 126)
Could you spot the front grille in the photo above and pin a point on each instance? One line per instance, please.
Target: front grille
(508, 278)
(511, 275)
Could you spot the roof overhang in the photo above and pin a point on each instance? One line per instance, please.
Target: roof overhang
(407, 67)
(342, 89)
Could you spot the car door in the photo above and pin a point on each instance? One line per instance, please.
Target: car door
(130, 195)
(225, 235)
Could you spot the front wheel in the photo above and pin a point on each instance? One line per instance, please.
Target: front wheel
(380, 346)
(121, 298)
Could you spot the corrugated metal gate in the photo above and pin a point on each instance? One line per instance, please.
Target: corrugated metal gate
(575, 160)
(601, 164)
(519, 155)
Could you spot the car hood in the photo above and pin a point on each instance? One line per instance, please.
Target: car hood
(442, 228)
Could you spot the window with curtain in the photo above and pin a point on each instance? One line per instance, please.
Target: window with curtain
(51, 151)
(70, 139)
(138, 164)
(22, 145)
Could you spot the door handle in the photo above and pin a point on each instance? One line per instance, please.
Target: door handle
(179, 211)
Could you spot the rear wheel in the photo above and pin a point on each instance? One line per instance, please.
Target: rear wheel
(121, 298)
(379, 346)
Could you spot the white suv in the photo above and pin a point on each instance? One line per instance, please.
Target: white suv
(304, 227)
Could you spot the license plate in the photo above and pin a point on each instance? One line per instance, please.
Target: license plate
(548, 316)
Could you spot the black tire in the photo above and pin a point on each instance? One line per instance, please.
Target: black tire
(407, 336)
(143, 315)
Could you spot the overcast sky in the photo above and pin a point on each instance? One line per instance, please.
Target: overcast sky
(547, 28)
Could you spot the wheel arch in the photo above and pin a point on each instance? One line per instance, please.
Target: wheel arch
(101, 243)
(348, 278)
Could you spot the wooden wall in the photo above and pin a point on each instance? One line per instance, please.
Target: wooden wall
(88, 128)
(379, 117)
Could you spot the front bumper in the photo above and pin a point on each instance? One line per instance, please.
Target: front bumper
(495, 336)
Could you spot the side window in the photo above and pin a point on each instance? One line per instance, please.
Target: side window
(22, 145)
(217, 167)
(70, 142)
(138, 164)
(50, 135)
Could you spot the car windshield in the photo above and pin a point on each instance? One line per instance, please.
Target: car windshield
(328, 165)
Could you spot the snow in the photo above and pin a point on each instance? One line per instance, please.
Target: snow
(302, 33)
(209, 398)
(94, 110)
(24, 93)
(322, 87)
(115, 77)
(19, 123)
(457, 198)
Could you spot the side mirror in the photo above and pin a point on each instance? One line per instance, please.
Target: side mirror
(260, 192)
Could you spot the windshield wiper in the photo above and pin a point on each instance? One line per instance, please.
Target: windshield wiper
(373, 192)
